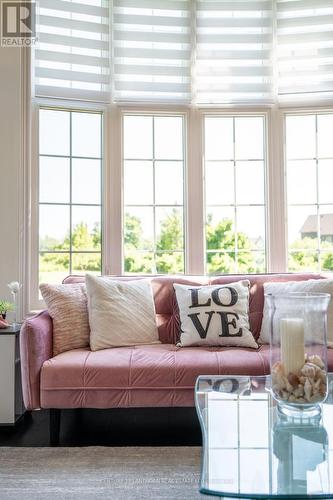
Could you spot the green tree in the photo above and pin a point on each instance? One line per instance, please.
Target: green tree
(171, 236)
(327, 264)
(96, 235)
(221, 239)
(86, 262)
(82, 239)
(136, 261)
(303, 255)
(58, 263)
(49, 243)
(132, 231)
(54, 262)
(169, 247)
(168, 259)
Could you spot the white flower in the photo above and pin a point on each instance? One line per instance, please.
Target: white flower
(14, 286)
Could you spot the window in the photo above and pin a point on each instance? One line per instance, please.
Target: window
(235, 194)
(70, 167)
(153, 169)
(309, 164)
(148, 219)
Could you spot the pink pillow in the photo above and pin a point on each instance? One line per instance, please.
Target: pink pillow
(67, 306)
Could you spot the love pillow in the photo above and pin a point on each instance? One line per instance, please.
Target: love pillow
(215, 315)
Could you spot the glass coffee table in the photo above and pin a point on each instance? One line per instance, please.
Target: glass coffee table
(251, 451)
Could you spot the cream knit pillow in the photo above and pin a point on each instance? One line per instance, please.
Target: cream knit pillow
(67, 306)
(121, 313)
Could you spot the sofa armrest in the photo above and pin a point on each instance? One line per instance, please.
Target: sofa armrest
(36, 347)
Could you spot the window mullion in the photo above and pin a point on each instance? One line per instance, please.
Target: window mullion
(317, 203)
(113, 215)
(276, 195)
(33, 301)
(195, 247)
(70, 194)
(235, 193)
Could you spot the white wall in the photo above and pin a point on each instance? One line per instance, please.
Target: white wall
(10, 130)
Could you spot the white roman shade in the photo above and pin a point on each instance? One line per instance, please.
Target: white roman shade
(234, 51)
(185, 51)
(152, 50)
(305, 49)
(72, 56)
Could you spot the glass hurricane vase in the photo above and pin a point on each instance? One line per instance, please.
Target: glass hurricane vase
(298, 351)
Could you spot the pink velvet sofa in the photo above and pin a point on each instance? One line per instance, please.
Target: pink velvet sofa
(146, 376)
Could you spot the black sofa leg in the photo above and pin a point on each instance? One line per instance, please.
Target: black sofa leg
(55, 414)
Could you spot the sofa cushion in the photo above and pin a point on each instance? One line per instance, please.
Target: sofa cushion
(157, 375)
(159, 370)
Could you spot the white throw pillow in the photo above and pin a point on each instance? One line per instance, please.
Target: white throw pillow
(307, 286)
(215, 315)
(121, 313)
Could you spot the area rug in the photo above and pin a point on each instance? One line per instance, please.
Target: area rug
(99, 473)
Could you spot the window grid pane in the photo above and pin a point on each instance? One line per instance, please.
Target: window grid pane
(235, 208)
(70, 208)
(153, 166)
(309, 157)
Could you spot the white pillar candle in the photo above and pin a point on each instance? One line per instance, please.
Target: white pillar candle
(292, 344)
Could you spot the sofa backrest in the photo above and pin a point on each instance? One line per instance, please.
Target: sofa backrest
(167, 313)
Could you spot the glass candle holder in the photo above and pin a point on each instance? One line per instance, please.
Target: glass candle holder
(298, 351)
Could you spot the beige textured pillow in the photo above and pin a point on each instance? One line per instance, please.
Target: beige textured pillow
(121, 313)
(67, 306)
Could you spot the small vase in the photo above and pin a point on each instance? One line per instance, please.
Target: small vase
(14, 324)
(298, 351)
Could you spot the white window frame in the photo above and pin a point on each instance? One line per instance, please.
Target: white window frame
(194, 206)
(33, 302)
(298, 112)
(165, 113)
(245, 113)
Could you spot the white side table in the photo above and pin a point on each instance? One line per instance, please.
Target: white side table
(11, 400)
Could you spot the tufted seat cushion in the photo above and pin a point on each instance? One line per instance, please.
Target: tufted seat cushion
(154, 375)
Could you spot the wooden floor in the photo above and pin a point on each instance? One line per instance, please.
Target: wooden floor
(117, 427)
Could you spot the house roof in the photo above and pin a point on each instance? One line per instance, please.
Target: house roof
(326, 224)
